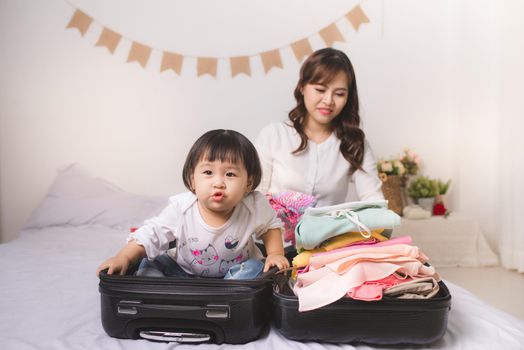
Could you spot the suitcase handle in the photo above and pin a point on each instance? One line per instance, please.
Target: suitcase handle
(209, 311)
(179, 337)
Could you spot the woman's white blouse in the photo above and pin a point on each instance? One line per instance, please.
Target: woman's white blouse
(320, 170)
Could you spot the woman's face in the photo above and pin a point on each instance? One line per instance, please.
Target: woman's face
(325, 101)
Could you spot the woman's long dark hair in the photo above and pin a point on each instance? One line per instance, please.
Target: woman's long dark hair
(320, 68)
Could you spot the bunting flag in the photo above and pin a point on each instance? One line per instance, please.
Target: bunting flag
(80, 21)
(301, 49)
(109, 39)
(330, 34)
(139, 53)
(209, 65)
(271, 59)
(171, 61)
(357, 17)
(240, 65)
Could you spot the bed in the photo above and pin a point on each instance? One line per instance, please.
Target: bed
(49, 295)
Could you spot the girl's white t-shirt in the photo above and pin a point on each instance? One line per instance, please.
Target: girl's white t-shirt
(320, 170)
(201, 249)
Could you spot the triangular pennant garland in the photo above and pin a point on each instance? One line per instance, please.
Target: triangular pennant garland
(301, 49)
(240, 65)
(80, 21)
(109, 39)
(270, 59)
(330, 34)
(357, 17)
(171, 61)
(139, 53)
(207, 65)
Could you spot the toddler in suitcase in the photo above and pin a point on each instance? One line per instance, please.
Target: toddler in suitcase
(213, 224)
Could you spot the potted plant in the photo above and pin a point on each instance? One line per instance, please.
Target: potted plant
(442, 187)
(424, 190)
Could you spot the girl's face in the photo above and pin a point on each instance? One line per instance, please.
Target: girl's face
(325, 101)
(220, 186)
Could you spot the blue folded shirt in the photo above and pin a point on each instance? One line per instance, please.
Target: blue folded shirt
(319, 224)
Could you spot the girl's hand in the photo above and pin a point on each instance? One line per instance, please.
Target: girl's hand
(117, 264)
(131, 252)
(277, 260)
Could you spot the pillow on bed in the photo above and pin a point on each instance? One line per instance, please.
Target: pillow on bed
(78, 198)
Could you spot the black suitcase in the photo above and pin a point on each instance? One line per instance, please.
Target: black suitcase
(388, 321)
(185, 309)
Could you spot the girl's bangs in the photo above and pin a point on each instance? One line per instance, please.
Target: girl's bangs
(222, 152)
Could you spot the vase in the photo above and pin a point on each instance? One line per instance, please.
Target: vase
(392, 192)
(426, 203)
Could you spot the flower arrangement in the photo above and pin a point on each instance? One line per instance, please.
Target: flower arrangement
(407, 165)
(411, 161)
(390, 167)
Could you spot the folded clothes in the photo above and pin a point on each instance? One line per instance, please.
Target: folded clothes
(319, 260)
(320, 224)
(326, 285)
(373, 290)
(340, 241)
(418, 288)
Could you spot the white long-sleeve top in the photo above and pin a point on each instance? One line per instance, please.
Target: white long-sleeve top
(320, 170)
(201, 249)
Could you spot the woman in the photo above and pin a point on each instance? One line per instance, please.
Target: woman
(321, 150)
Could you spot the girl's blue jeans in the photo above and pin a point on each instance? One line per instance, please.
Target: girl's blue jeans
(164, 266)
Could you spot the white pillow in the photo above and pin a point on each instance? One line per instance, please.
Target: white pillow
(78, 198)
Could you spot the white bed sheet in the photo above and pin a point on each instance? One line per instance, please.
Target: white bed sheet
(49, 299)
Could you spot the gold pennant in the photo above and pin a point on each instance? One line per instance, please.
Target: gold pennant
(330, 34)
(271, 59)
(357, 17)
(171, 61)
(109, 39)
(139, 53)
(80, 21)
(301, 49)
(207, 65)
(240, 65)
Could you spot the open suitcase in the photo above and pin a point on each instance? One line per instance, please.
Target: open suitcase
(185, 309)
(388, 321)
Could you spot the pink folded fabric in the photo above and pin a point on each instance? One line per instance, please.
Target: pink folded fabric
(322, 259)
(392, 241)
(290, 206)
(332, 281)
(374, 290)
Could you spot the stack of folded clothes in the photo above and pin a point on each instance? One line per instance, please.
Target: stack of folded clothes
(346, 251)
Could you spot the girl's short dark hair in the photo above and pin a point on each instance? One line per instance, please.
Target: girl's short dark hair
(225, 146)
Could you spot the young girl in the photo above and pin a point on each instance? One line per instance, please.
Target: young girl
(321, 150)
(214, 223)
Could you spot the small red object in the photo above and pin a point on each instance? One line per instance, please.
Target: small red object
(133, 229)
(439, 209)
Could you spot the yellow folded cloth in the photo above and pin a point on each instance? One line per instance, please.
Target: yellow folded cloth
(346, 239)
(336, 242)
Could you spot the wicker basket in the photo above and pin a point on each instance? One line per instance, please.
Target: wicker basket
(391, 187)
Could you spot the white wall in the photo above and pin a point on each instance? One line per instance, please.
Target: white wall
(420, 72)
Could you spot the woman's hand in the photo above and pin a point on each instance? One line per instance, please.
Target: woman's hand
(277, 260)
